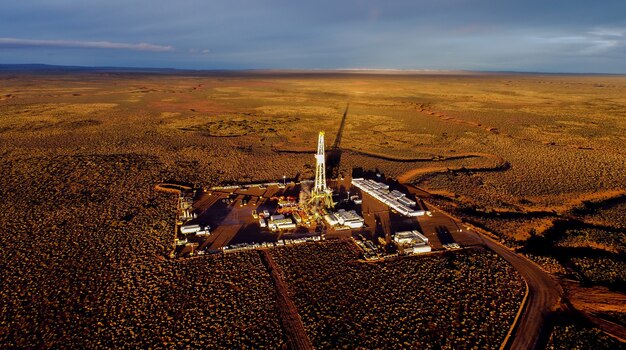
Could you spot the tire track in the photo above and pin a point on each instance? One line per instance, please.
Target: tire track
(287, 311)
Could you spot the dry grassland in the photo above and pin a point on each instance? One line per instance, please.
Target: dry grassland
(522, 155)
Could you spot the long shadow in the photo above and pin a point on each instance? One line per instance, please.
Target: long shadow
(589, 207)
(214, 216)
(559, 230)
(337, 142)
(444, 235)
(333, 158)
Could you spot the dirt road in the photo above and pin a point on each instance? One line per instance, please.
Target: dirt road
(290, 319)
(593, 302)
(544, 292)
(544, 295)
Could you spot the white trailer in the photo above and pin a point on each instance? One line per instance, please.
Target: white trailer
(187, 229)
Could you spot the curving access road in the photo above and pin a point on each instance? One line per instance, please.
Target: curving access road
(544, 293)
(544, 296)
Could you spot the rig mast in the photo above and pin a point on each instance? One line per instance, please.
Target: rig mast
(321, 196)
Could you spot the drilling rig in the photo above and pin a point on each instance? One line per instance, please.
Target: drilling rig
(321, 196)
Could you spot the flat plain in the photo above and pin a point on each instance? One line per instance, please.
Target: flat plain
(538, 160)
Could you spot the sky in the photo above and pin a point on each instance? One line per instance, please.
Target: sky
(485, 35)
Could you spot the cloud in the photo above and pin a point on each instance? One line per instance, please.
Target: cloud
(537, 35)
(619, 32)
(14, 42)
(201, 51)
(594, 42)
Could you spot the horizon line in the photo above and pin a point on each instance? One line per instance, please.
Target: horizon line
(25, 66)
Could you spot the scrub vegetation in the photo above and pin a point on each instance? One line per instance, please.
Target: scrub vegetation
(465, 299)
(536, 159)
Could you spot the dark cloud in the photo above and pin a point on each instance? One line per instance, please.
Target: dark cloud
(17, 43)
(545, 35)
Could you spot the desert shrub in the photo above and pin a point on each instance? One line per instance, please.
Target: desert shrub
(573, 335)
(84, 233)
(548, 263)
(466, 299)
(603, 270)
(81, 264)
(595, 238)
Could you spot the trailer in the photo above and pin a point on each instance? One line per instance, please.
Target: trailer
(188, 229)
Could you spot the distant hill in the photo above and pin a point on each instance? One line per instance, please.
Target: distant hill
(43, 68)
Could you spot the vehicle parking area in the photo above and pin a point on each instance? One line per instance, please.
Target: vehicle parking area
(229, 213)
(233, 214)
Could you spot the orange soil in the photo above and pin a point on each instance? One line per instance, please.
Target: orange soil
(593, 300)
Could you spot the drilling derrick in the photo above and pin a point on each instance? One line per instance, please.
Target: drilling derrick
(320, 166)
(321, 196)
